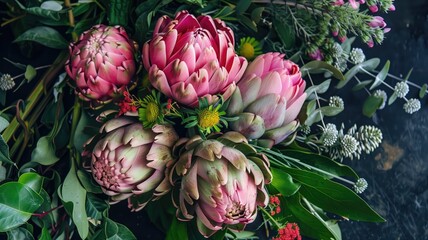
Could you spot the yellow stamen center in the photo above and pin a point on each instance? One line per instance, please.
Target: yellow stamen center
(208, 118)
(247, 50)
(152, 111)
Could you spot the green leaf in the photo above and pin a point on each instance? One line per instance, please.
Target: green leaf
(309, 224)
(319, 67)
(178, 230)
(51, 5)
(72, 192)
(45, 234)
(367, 65)
(242, 6)
(30, 73)
(330, 110)
(346, 46)
(321, 162)
(46, 36)
(17, 203)
(32, 180)
(314, 117)
(2, 173)
(311, 107)
(3, 123)
(248, 22)
(119, 12)
(319, 89)
(333, 197)
(83, 133)
(87, 182)
(114, 231)
(95, 206)
(19, 233)
(285, 32)
(392, 98)
(408, 74)
(371, 104)
(283, 182)
(4, 152)
(256, 14)
(423, 91)
(380, 77)
(44, 153)
(44, 13)
(361, 85)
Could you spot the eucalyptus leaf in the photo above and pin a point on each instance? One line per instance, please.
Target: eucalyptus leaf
(380, 77)
(283, 182)
(17, 203)
(367, 65)
(392, 98)
(361, 85)
(330, 110)
(371, 104)
(44, 153)
(408, 74)
(311, 107)
(320, 67)
(19, 233)
(51, 5)
(73, 193)
(46, 36)
(422, 91)
(314, 117)
(319, 89)
(346, 46)
(333, 197)
(30, 73)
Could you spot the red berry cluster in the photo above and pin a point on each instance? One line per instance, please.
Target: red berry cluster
(289, 232)
(127, 104)
(274, 205)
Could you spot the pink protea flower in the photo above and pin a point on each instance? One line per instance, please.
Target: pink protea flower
(190, 58)
(222, 181)
(128, 160)
(268, 99)
(101, 63)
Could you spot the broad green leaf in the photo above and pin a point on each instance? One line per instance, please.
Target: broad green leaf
(361, 85)
(2, 173)
(17, 203)
(333, 197)
(44, 153)
(114, 231)
(178, 230)
(49, 219)
(371, 104)
(119, 12)
(4, 152)
(285, 32)
(87, 183)
(319, 67)
(161, 212)
(30, 73)
(44, 13)
(3, 123)
(83, 133)
(242, 6)
(32, 180)
(19, 233)
(321, 162)
(380, 77)
(46, 36)
(45, 234)
(95, 206)
(73, 193)
(283, 182)
(309, 224)
(423, 91)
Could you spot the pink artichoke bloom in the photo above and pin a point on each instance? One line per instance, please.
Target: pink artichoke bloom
(220, 185)
(102, 63)
(129, 160)
(268, 99)
(190, 58)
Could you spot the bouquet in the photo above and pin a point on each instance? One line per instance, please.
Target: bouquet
(214, 118)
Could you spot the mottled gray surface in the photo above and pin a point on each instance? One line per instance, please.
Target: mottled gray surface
(398, 186)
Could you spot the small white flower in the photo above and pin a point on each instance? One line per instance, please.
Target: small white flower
(336, 101)
(336, 50)
(329, 135)
(349, 145)
(6, 82)
(401, 89)
(381, 94)
(356, 56)
(361, 185)
(412, 105)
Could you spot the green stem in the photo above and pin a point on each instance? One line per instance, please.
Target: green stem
(266, 213)
(74, 121)
(33, 100)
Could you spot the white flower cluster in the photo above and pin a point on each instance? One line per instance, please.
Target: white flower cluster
(361, 185)
(6, 82)
(356, 56)
(412, 105)
(336, 101)
(401, 89)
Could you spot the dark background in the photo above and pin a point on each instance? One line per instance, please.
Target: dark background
(397, 172)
